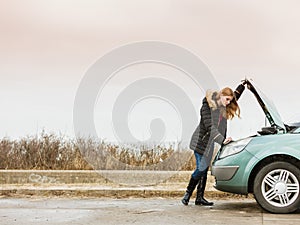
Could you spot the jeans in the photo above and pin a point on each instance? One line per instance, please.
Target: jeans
(202, 164)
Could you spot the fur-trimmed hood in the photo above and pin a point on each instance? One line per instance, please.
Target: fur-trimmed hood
(211, 99)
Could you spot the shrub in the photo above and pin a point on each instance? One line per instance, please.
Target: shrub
(52, 152)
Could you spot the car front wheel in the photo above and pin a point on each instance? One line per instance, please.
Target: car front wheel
(276, 187)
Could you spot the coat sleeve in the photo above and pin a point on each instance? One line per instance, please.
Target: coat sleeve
(239, 91)
(206, 115)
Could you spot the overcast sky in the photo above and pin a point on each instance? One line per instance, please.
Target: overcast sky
(46, 48)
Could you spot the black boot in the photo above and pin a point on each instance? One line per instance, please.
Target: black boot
(189, 191)
(200, 192)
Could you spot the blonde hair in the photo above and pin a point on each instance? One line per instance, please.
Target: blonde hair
(232, 109)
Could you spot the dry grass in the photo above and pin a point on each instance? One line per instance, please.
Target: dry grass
(52, 152)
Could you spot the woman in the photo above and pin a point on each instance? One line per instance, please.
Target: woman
(217, 108)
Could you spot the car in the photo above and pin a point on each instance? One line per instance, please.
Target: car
(266, 164)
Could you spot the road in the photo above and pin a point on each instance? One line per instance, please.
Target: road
(30, 211)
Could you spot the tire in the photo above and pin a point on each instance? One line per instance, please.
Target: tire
(276, 187)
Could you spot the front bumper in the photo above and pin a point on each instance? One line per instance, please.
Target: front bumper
(224, 173)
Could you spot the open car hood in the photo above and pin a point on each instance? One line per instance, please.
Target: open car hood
(268, 107)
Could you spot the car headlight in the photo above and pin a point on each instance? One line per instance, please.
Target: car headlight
(234, 147)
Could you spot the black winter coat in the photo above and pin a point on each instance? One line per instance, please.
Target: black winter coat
(213, 125)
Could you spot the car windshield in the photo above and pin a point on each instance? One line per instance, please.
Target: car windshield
(297, 130)
(271, 109)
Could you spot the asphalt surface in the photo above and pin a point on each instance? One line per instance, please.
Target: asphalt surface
(30, 211)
